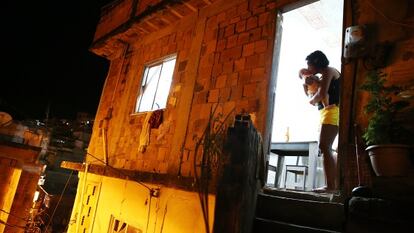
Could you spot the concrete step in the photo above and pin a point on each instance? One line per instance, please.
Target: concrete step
(377, 215)
(310, 213)
(393, 188)
(270, 226)
(305, 195)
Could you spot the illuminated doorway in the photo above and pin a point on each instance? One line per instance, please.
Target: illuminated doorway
(317, 26)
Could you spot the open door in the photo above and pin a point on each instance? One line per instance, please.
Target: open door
(301, 29)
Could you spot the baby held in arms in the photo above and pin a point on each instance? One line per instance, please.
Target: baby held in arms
(312, 83)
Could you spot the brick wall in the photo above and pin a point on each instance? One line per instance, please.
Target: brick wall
(224, 55)
(120, 94)
(234, 69)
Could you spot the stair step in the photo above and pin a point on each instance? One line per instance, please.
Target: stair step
(305, 195)
(271, 226)
(379, 215)
(400, 188)
(317, 214)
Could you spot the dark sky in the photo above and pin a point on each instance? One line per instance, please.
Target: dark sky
(45, 58)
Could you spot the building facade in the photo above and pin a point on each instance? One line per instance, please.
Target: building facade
(20, 148)
(176, 66)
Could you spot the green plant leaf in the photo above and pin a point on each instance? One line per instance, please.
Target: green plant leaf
(381, 109)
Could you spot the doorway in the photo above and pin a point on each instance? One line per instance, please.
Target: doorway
(316, 26)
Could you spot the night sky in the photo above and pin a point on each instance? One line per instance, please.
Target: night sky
(45, 58)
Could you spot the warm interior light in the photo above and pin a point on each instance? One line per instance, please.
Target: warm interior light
(36, 196)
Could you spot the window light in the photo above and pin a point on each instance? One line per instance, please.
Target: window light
(155, 85)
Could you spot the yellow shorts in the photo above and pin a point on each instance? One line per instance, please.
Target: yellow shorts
(330, 115)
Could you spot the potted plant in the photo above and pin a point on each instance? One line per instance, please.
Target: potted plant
(386, 138)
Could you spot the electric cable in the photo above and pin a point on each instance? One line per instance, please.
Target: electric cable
(60, 199)
(11, 225)
(122, 173)
(163, 219)
(149, 213)
(157, 208)
(1, 210)
(387, 18)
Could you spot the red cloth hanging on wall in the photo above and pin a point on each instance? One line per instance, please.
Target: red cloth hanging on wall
(156, 119)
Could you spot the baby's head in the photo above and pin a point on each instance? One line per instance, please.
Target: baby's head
(304, 73)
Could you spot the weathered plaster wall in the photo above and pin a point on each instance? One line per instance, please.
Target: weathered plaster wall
(173, 211)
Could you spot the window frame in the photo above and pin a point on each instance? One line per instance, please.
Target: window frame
(114, 222)
(144, 78)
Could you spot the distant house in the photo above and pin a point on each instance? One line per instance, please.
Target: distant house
(32, 179)
(174, 63)
(20, 148)
(68, 142)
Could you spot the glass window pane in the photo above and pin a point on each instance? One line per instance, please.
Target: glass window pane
(155, 86)
(149, 88)
(164, 85)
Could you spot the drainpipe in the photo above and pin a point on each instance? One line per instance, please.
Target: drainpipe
(104, 131)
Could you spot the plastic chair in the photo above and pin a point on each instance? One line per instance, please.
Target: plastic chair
(297, 170)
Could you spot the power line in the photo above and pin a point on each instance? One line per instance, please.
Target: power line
(11, 225)
(122, 173)
(60, 199)
(13, 215)
(388, 18)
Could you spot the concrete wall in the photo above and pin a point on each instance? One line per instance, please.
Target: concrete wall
(173, 211)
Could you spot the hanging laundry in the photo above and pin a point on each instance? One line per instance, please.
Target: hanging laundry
(156, 119)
